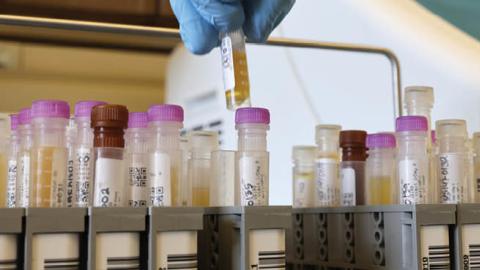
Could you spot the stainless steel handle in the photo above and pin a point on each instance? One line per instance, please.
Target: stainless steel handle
(145, 38)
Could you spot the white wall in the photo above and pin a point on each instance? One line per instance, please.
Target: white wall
(353, 90)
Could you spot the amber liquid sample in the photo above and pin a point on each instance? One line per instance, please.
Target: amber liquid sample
(200, 197)
(48, 174)
(3, 180)
(239, 95)
(380, 191)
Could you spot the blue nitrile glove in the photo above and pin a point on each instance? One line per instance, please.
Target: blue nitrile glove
(202, 20)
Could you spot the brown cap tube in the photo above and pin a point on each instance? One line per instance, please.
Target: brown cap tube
(108, 122)
(353, 144)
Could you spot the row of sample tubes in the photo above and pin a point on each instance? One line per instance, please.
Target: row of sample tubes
(107, 157)
(413, 165)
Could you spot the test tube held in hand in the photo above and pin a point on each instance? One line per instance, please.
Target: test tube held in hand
(165, 122)
(235, 69)
(49, 153)
(252, 125)
(108, 123)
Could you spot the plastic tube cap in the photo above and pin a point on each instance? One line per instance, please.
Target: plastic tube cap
(165, 113)
(50, 109)
(451, 128)
(84, 108)
(252, 115)
(304, 153)
(24, 116)
(381, 140)
(419, 96)
(109, 115)
(138, 120)
(13, 121)
(327, 133)
(411, 123)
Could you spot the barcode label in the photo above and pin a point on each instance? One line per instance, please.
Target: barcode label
(473, 257)
(438, 258)
(123, 263)
(8, 265)
(64, 263)
(182, 261)
(271, 260)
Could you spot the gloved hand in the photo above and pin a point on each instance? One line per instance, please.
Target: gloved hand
(202, 20)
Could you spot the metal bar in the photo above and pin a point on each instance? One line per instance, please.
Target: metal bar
(173, 35)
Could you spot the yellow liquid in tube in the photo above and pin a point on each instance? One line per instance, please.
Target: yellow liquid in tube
(381, 191)
(3, 180)
(48, 172)
(200, 196)
(239, 96)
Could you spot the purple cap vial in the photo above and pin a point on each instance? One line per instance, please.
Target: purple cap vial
(411, 123)
(138, 120)
(50, 108)
(24, 116)
(165, 113)
(84, 108)
(381, 140)
(13, 121)
(252, 115)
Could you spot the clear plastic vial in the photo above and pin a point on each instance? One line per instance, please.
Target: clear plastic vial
(252, 180)
(419, 101)
(381, 184)
(136, 140)
(108, 123)
(13, 148)
(25, 134)
(70, 181)
(184, 185)
(327, 183)
(413, 159)
(83, 162)
(49, 153)
(352, 167)
(303, 184)
(452, 162)
(202, 144)
(235, 69)
(165, 122)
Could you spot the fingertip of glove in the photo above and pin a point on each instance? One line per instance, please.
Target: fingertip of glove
(198, 38)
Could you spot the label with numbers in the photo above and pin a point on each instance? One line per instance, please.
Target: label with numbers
(413, 175)
(55, 251)
(435, 247)
(159, 167)
(138, 183)
(117, 251)
(177, 250)
(253, 173)
(451, 172)
(326, 182)
(109, 187)
(69, 183)
(347, 193)
(227, 63)
(303, 190)
(267, 249)
(23, 179)
(83, 168)
(11, 183)
(470, 246)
